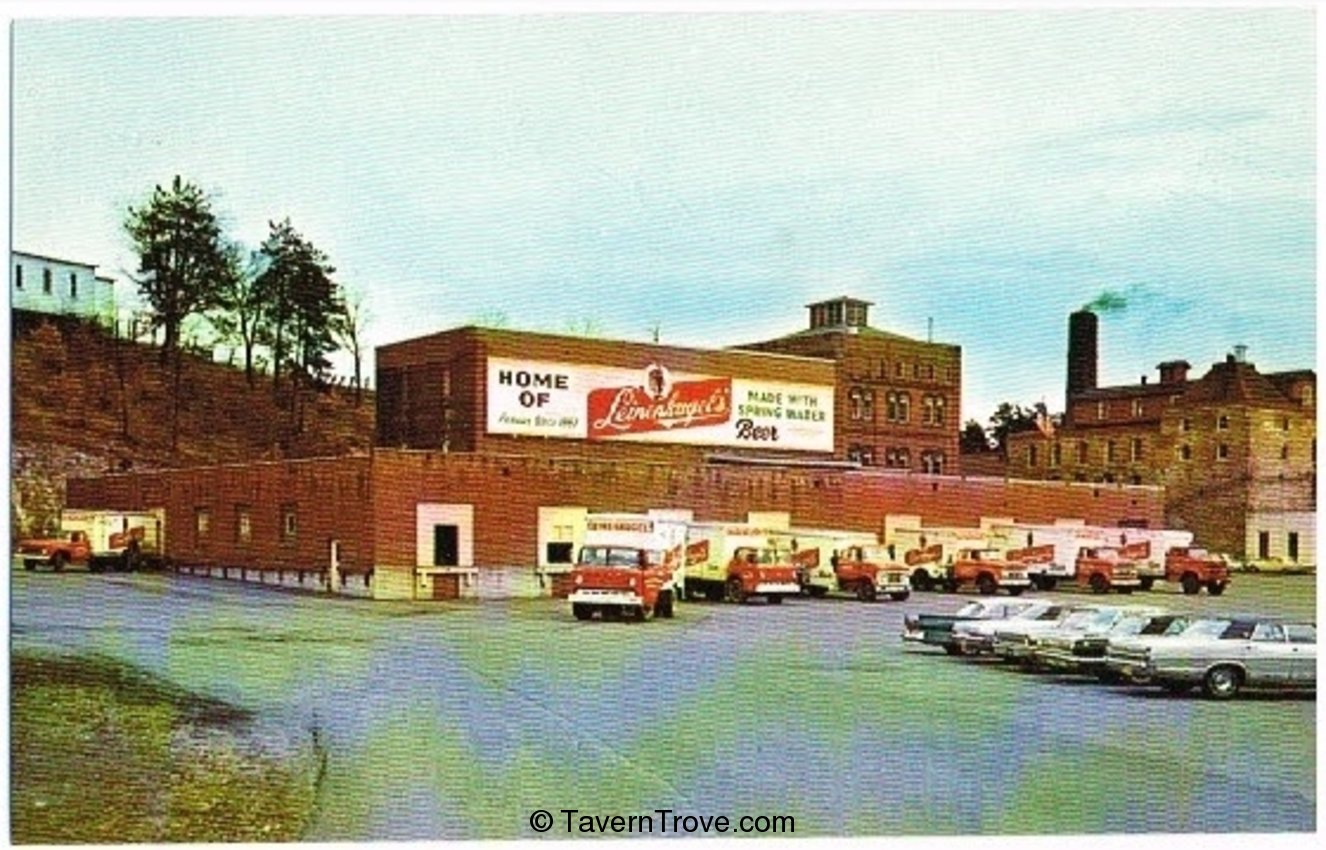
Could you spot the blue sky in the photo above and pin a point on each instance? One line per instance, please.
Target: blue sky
(713, 173)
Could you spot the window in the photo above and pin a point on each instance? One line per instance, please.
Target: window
(854, 402)
(1293, 545)
(1284, 424)
(856, 315)
(1031, 455)
(939, 410)
(18, 277)
(891, 407)
(883, 369)
(904, 407)
(1222, 423)
(1185, 424)
(916, 371)
(1272, 632)
(289, 524)
(1100, 410)
(1284, 452)
(867, 456)
(1136, 452)
(560, 553)
(73, 286)
(932, 462)
(1222, 451)
(836, 313)
(905, 458)
(868, 405)
(202, 526)
(1185, 452)
(951, 375)
(46, 281)
(897, 458)
(1263, 545)
(897, 369)
(1056, 454)
(1081, 451)
(1135, 479)
(243, 524)
(1109, 452)
(1300, 633)
(929, 371)
(817, 316)
(1137, 407)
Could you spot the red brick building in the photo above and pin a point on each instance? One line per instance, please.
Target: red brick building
(898, 401)
(490, 444)
(1234, 449)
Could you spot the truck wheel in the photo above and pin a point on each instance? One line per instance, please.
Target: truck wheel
(1049, 582)
(1148, 582)
(1190, 584)
(735, 592)
(581, 611)
(985, 584)
(1098, 583)
(714, 592)
(1215, 588)
(951, 585)
(900, 596)
(774, 599)
(58, 560)
(865, 591)
(94, 565)
(1015, 591)
(816, 591)
(639, 613)
(1222, 682)
(921, 580)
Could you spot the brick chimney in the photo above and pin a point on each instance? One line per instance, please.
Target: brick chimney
(1174, 371)
(1082, 332)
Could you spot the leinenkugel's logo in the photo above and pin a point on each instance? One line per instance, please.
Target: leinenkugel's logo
(658, 403)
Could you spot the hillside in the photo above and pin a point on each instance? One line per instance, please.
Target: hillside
(84, 402)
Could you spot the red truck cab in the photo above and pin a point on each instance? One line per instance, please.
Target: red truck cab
(1104, 568)
(56, 551)
(622, 582)
(871, 571)
(1193, 568)
(766, 571)
(988, 570)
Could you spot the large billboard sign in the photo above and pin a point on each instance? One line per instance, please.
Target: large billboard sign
(656, 405)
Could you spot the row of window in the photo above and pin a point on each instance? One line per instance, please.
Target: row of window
(47, 281)
(1135, 452)
(202, 524)
(897, 406)
(902, 370)
(931, 460)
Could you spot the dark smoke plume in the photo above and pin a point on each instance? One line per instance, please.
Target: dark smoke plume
(1108, 301)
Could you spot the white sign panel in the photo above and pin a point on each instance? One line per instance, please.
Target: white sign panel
(656, 405)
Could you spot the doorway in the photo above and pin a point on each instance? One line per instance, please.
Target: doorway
(446, 545)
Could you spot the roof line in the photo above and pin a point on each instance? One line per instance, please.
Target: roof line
(48, 258)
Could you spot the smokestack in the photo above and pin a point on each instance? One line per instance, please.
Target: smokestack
(1240, 354)
(1082, 332)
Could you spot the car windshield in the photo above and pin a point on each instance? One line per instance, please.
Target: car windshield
(971, 609)
(1129, 626)
(1079, 619)
(609, 556)
(1205, 629)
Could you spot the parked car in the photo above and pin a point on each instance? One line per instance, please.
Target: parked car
(974, 637)
(1016, 641)
(937, 629)
(1084, 651)
(1224, 657)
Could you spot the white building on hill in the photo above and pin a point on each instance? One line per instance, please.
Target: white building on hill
(63, 287)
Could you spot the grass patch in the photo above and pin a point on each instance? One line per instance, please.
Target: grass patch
(103, 752)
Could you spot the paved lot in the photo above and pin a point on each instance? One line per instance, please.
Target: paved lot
(458, 720)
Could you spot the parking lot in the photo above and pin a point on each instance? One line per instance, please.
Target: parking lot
(457, 720)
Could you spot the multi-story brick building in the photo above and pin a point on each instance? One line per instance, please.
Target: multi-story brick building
(1234, 449)
(898, 400)
(490, 444)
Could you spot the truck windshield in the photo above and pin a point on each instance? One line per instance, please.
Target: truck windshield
(609, 556)
(767, 556)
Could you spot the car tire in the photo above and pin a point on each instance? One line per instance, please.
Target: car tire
(1222, 682)
(733, 591)
(1148, 582)
(1190, 584)
(986, 585)
(900, 596)
(865, 591)
(581, 611)
(921, 580)
(1215, 588)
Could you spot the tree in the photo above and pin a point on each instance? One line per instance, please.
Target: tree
(1014, 419)
(973, 438)
(240, 305)
(590, 328)
(302, 305)
(181, 256)
(349, 332)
